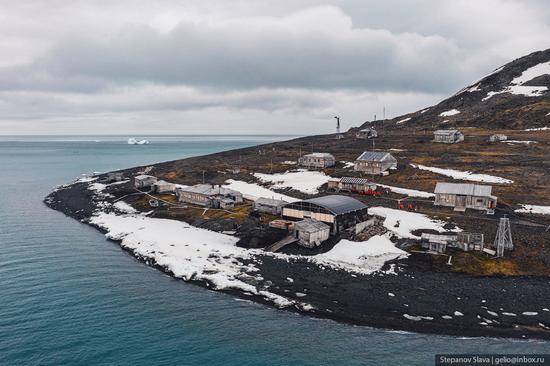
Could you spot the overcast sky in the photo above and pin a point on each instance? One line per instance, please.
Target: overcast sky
(193, 67)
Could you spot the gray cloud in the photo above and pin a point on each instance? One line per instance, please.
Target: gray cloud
(288, 64)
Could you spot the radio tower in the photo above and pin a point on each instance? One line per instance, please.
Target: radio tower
(503, 240)
(337, 124)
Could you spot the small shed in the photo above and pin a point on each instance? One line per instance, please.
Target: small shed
(269, 205)
(317, 160)
(437, 242)
(114, 177)
(366, 133)
(351, 184)
(448, 136)
(162, 186)
(144, 181)
(375, 162)
(498, 137)
(311, 233)
(469, 241)
(465, 195)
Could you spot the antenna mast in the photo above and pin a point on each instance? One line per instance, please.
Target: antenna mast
(337, 124)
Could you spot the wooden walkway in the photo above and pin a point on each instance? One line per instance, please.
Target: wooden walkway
(281, 244)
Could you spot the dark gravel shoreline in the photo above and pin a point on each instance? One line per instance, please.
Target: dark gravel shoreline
(414, 299)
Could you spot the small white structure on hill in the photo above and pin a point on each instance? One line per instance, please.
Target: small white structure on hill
(114, 177)
(311, 233)
(366, 133)
(209, 196)
(144, 181)
(498, 137)
(465, 195)
(375, 162)
(448, 136)
(269, 205)
(317, 160)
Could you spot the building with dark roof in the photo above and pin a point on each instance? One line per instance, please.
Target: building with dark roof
(340, 212)
(465, 195)
(269, 205)
(375, 162)
(351, 184)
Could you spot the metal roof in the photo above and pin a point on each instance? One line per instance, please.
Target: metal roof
(270, 202)
(353, 180)
(208, 190)
(311, 226)
(464, 189)
(338, 205)
(446, 132)
(319, 155)
(144, 176)
(373, 155)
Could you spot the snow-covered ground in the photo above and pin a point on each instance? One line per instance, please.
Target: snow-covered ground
(365, 256)
(516, 85)
(538, 128)
(253, 191)
(525, 142)
(403, 120)
(464, 175)
(407, 192)
(300, 180)
(186, 251)
(449, 113)
(534, 209)
(348, 164)
(403, 223)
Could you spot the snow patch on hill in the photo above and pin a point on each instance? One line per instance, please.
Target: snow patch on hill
(403, 223)
(449, 113)
(407, 191)
(464, 175)
(300, 180)
(364, 256)
(253, 191)
(403, 120)
(516, 85)
(534, 209)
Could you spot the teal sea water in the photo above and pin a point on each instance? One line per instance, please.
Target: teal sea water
(69, 297)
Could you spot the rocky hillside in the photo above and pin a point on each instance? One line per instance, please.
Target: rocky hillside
(514, 96)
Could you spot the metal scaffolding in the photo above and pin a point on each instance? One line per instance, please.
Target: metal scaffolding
(503, 239)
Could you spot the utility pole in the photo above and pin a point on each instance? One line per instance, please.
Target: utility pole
(203, 176)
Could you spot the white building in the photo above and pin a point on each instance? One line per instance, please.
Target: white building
(465, 195)
(144, 181)
(311, 233)
(317, 160)
(375, 162)
(448, 136)
(209, 196)
(269, 205)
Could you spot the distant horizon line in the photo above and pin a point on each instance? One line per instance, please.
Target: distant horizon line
(149, 135)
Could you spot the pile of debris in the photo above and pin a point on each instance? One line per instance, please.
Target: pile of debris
(375, 228)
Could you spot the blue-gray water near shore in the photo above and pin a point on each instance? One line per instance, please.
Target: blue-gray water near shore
(69, 297)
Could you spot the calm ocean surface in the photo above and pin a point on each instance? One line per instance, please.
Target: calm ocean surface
(69, 297)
